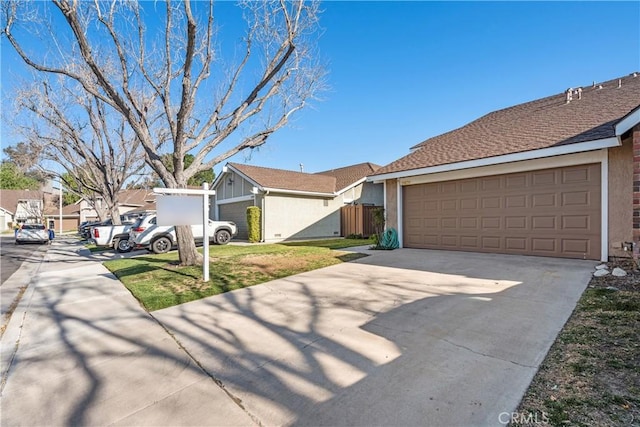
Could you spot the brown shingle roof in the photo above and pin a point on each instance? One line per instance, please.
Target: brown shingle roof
(9, 198)
(138, 197)
(287, 180)
(346, 176)
(69, 210)
(543, 123)
(328, 182)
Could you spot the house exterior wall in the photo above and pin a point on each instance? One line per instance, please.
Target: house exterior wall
(299, 217)
(636, 189)
(29, 210)
(232, 186)
(87, 213)
(6, 220)
(620, 201)
(366, 193)
(391, 205)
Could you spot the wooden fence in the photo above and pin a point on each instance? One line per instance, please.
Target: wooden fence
(357, 219)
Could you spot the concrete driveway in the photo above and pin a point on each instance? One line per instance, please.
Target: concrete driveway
(404, 337)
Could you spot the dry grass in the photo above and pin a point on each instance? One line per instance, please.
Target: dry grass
(591, 376)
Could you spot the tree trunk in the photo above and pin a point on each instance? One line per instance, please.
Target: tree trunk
(114, 212)
(186, 246)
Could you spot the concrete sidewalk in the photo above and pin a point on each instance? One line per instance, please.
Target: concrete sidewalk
(79, 350)
(402, 338)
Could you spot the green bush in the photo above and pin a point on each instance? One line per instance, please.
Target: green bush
(253, 223)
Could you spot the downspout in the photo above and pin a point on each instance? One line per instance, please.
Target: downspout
(264, 195)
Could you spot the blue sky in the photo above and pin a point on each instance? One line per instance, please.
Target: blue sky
(401, 72)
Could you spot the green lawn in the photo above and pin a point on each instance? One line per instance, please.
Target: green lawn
(157, 281)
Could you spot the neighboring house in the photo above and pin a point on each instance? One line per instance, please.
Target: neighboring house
(294, 205)
(20, 206)
(559, 176)
(129, 200)
(70, 217)
(82, 210)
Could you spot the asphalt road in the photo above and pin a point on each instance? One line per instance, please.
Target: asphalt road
(12, 256)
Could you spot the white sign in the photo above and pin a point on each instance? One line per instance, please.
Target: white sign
(179, 210)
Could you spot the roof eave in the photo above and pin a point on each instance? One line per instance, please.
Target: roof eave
(298, 192)
(579, 147)
(350, 186)
(628, 121)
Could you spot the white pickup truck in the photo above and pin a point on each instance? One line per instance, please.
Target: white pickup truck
(160, 239)
(116, 236)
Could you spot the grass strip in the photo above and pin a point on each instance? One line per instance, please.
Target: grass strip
(157, 281)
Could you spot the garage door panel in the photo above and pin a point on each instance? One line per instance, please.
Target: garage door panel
(516, 223)
(575, 198)
(516, 182)
(469, 223)
(544, 178)
(491, 203)
(512, 202)
(469, 242)
(577, 246)
(554, 212)
(490, 242)
(489, 223)
(449, 241)
(516, 243)
(236, 212)
(543, 200)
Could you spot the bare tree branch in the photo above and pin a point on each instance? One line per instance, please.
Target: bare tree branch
(169, 84)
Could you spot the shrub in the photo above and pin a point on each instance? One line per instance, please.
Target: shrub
(253, 223)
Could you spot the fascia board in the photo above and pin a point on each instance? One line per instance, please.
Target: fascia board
(507, 158)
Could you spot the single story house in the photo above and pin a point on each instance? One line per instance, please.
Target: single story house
(70, 217)
(294, 205)
(558, 176)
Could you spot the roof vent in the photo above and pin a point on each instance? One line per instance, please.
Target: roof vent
(301, 167)
(579, 92)
(619, 83)
(594, 84)
(634, 74)
(569, 95)
(599, 86)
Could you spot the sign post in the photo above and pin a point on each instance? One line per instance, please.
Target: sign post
(174, 214)
(205, 231)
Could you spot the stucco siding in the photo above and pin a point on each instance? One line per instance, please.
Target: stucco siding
(391, 207)
(620, 197)
(297, 217)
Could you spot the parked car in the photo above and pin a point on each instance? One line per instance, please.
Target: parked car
(85, 228)
(116, 236)
(160, 239)
(32, 233)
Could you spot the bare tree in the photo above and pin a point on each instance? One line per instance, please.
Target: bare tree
(96, 149)
(171, 80)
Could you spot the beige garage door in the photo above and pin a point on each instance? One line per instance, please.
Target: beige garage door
(236, 212)
(551, 212)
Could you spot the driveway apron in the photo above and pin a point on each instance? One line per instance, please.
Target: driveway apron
(403, 338)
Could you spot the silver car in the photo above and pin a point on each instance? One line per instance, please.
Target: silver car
(30, 233)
